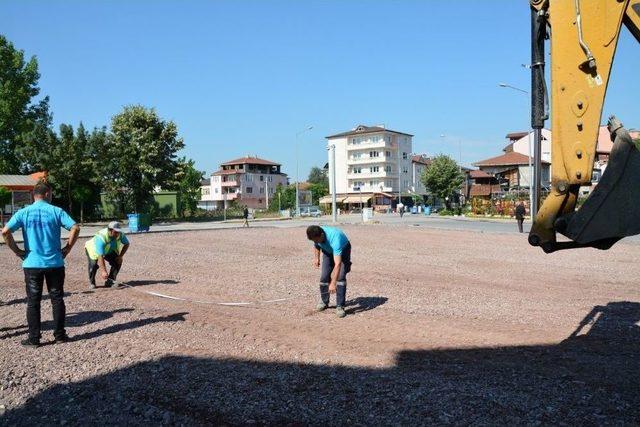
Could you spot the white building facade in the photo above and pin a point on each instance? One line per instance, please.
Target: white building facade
(371, 159)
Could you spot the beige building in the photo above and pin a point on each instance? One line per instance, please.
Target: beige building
(372, 164)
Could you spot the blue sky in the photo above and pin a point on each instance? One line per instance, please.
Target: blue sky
(244, 77)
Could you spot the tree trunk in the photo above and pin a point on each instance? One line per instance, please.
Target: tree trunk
(81, 213)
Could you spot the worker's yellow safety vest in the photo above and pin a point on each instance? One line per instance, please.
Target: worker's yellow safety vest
(103, 235)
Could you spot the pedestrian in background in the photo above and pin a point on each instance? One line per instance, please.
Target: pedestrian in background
(43, 258)
(245, 215)
(521, 211)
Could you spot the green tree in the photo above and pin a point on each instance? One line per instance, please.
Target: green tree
(139, 156)
(443, 177)
(317, 176)
(187, 184)
(283, 198)
(20, 117)
(318, 191)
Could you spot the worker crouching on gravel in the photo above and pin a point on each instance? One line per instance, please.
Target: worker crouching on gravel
(109, 244)
(336, 263)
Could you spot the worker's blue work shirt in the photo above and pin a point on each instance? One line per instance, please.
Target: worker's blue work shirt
(334, 241)
(40, 225)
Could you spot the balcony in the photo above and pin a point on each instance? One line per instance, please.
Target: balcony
(367, 145)
(367, 175)
(230, 183)
(369, 160)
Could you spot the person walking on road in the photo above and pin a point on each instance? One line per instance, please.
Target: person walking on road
(43, 258)
(520, 213)
(245, 215)
(109, 244)
(336, 263)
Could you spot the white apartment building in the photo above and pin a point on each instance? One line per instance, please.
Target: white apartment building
(371, 161)
(250, 181)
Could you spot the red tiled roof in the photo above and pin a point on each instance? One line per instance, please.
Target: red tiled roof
(507, 159)
(475, 174)
(422, 159)
(251, 161)
(361, 129)
(516, 135)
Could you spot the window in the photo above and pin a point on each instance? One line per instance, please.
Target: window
(249, 178)
(270, 178)
(261, 190)
(405, 169)
(406, 183)
(261, 178)
(387, 153)
(217, 190)
(374, 154)
(387, 169)
(375, 169)
(249, 190)
(404, 156)
(357, 170)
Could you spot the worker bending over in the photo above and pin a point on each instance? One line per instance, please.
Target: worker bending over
(109, 244)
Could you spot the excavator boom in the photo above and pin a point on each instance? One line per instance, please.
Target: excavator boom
(583, 39)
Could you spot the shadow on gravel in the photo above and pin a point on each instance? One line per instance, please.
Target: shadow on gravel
(176, 317)
(73, 320)
(134, 283)
(360, 304)
(590, 378)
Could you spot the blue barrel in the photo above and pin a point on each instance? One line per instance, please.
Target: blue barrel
(427, 210)
(414, 210)
(134, 222)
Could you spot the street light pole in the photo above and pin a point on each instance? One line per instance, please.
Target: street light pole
(533, 208)
(297, 171)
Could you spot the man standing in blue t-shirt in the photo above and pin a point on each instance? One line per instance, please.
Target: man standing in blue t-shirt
(336, 263)
(43, 258)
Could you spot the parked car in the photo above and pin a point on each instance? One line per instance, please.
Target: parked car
(311, 211)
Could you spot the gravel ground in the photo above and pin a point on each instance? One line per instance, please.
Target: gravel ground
(443, 327)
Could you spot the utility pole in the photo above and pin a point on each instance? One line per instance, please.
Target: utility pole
(332, 168)
(266, 190)
(297, 174)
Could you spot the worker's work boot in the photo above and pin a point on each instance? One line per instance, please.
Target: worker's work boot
(321, 307)
(340, 312)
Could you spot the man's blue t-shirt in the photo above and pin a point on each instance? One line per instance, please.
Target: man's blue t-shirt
(40, 225)
(334, 241)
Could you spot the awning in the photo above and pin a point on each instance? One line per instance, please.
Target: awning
(357, 199)
(328, 199)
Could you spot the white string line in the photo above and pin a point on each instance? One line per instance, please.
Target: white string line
(237, 304)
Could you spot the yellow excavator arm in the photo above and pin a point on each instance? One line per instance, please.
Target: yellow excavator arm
(583, 38)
